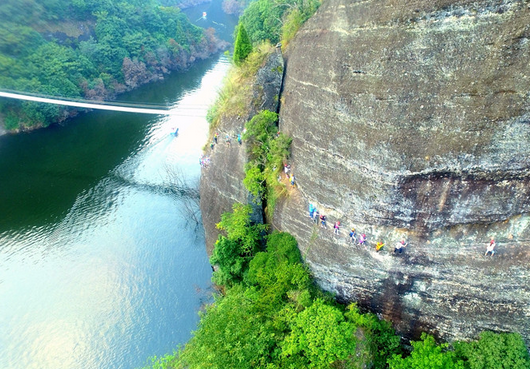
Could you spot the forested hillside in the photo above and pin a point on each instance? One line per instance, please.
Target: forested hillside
(92, 49)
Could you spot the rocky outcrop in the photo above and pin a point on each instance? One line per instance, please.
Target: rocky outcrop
(222, 183)
(410, 119)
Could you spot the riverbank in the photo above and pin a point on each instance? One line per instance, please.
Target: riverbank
(95, 52)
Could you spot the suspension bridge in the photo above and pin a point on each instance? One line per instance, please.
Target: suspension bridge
(121, 107)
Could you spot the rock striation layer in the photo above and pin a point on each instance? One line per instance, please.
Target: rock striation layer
(411, 119)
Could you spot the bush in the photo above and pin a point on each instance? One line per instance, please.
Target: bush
(381, 340)
(494, 351)
(427, 355)
(233, 253)
(259, 133)
(235, 95)
(320, 335)
(254, 180)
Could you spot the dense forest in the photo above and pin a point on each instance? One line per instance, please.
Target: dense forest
(91, 49)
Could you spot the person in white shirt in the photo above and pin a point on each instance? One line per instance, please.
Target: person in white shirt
(491, 248)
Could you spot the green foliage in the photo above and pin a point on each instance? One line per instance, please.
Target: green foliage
(254, 180)
(231, 262)
(380, 338)
(244, 328)
(427, 355)
(494, 351)
(259, 133)
(279, 275)
(242, 46)
(235, 96)
(267, 20)
(321, 335)
(263, 322)
(233, 253)
(292, 23)
(267, 151)
(277, 155)
(153, 37)
(232, 334)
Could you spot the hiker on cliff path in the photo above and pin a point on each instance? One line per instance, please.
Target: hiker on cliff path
(362, 239)
(491, 248)
(336, 227)
(398, 248)
(323, 221)
(311, 210)
(352, 235)
(316, 216)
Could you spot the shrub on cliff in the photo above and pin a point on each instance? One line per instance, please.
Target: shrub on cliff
(427, 355)
(259, 133)
(242, 46)
(379, 337)
(494, 351)
(235, 96)
(232, 253)
(267, 151)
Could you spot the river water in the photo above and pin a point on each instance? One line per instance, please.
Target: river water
(101, 264)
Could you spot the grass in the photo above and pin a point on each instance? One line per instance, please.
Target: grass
(274, 192)
(235, 96)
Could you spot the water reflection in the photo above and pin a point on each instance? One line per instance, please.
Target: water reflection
(118, 274)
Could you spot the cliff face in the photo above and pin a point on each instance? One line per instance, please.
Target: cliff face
(410, 119)
(222, 183)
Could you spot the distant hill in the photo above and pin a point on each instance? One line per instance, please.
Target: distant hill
(91, 49)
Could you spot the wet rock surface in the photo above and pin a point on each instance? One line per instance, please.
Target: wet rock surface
(411, 119)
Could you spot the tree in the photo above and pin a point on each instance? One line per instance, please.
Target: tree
(254, 180)
(321, 335)
(243, 46)
(260, 131)
(380, 338)
(494, 351)
(427, 355)
(233, 252)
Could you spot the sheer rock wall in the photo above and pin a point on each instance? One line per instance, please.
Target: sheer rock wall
(410, 119)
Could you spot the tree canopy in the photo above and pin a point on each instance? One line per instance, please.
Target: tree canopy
(92, 49)
(265, 19)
